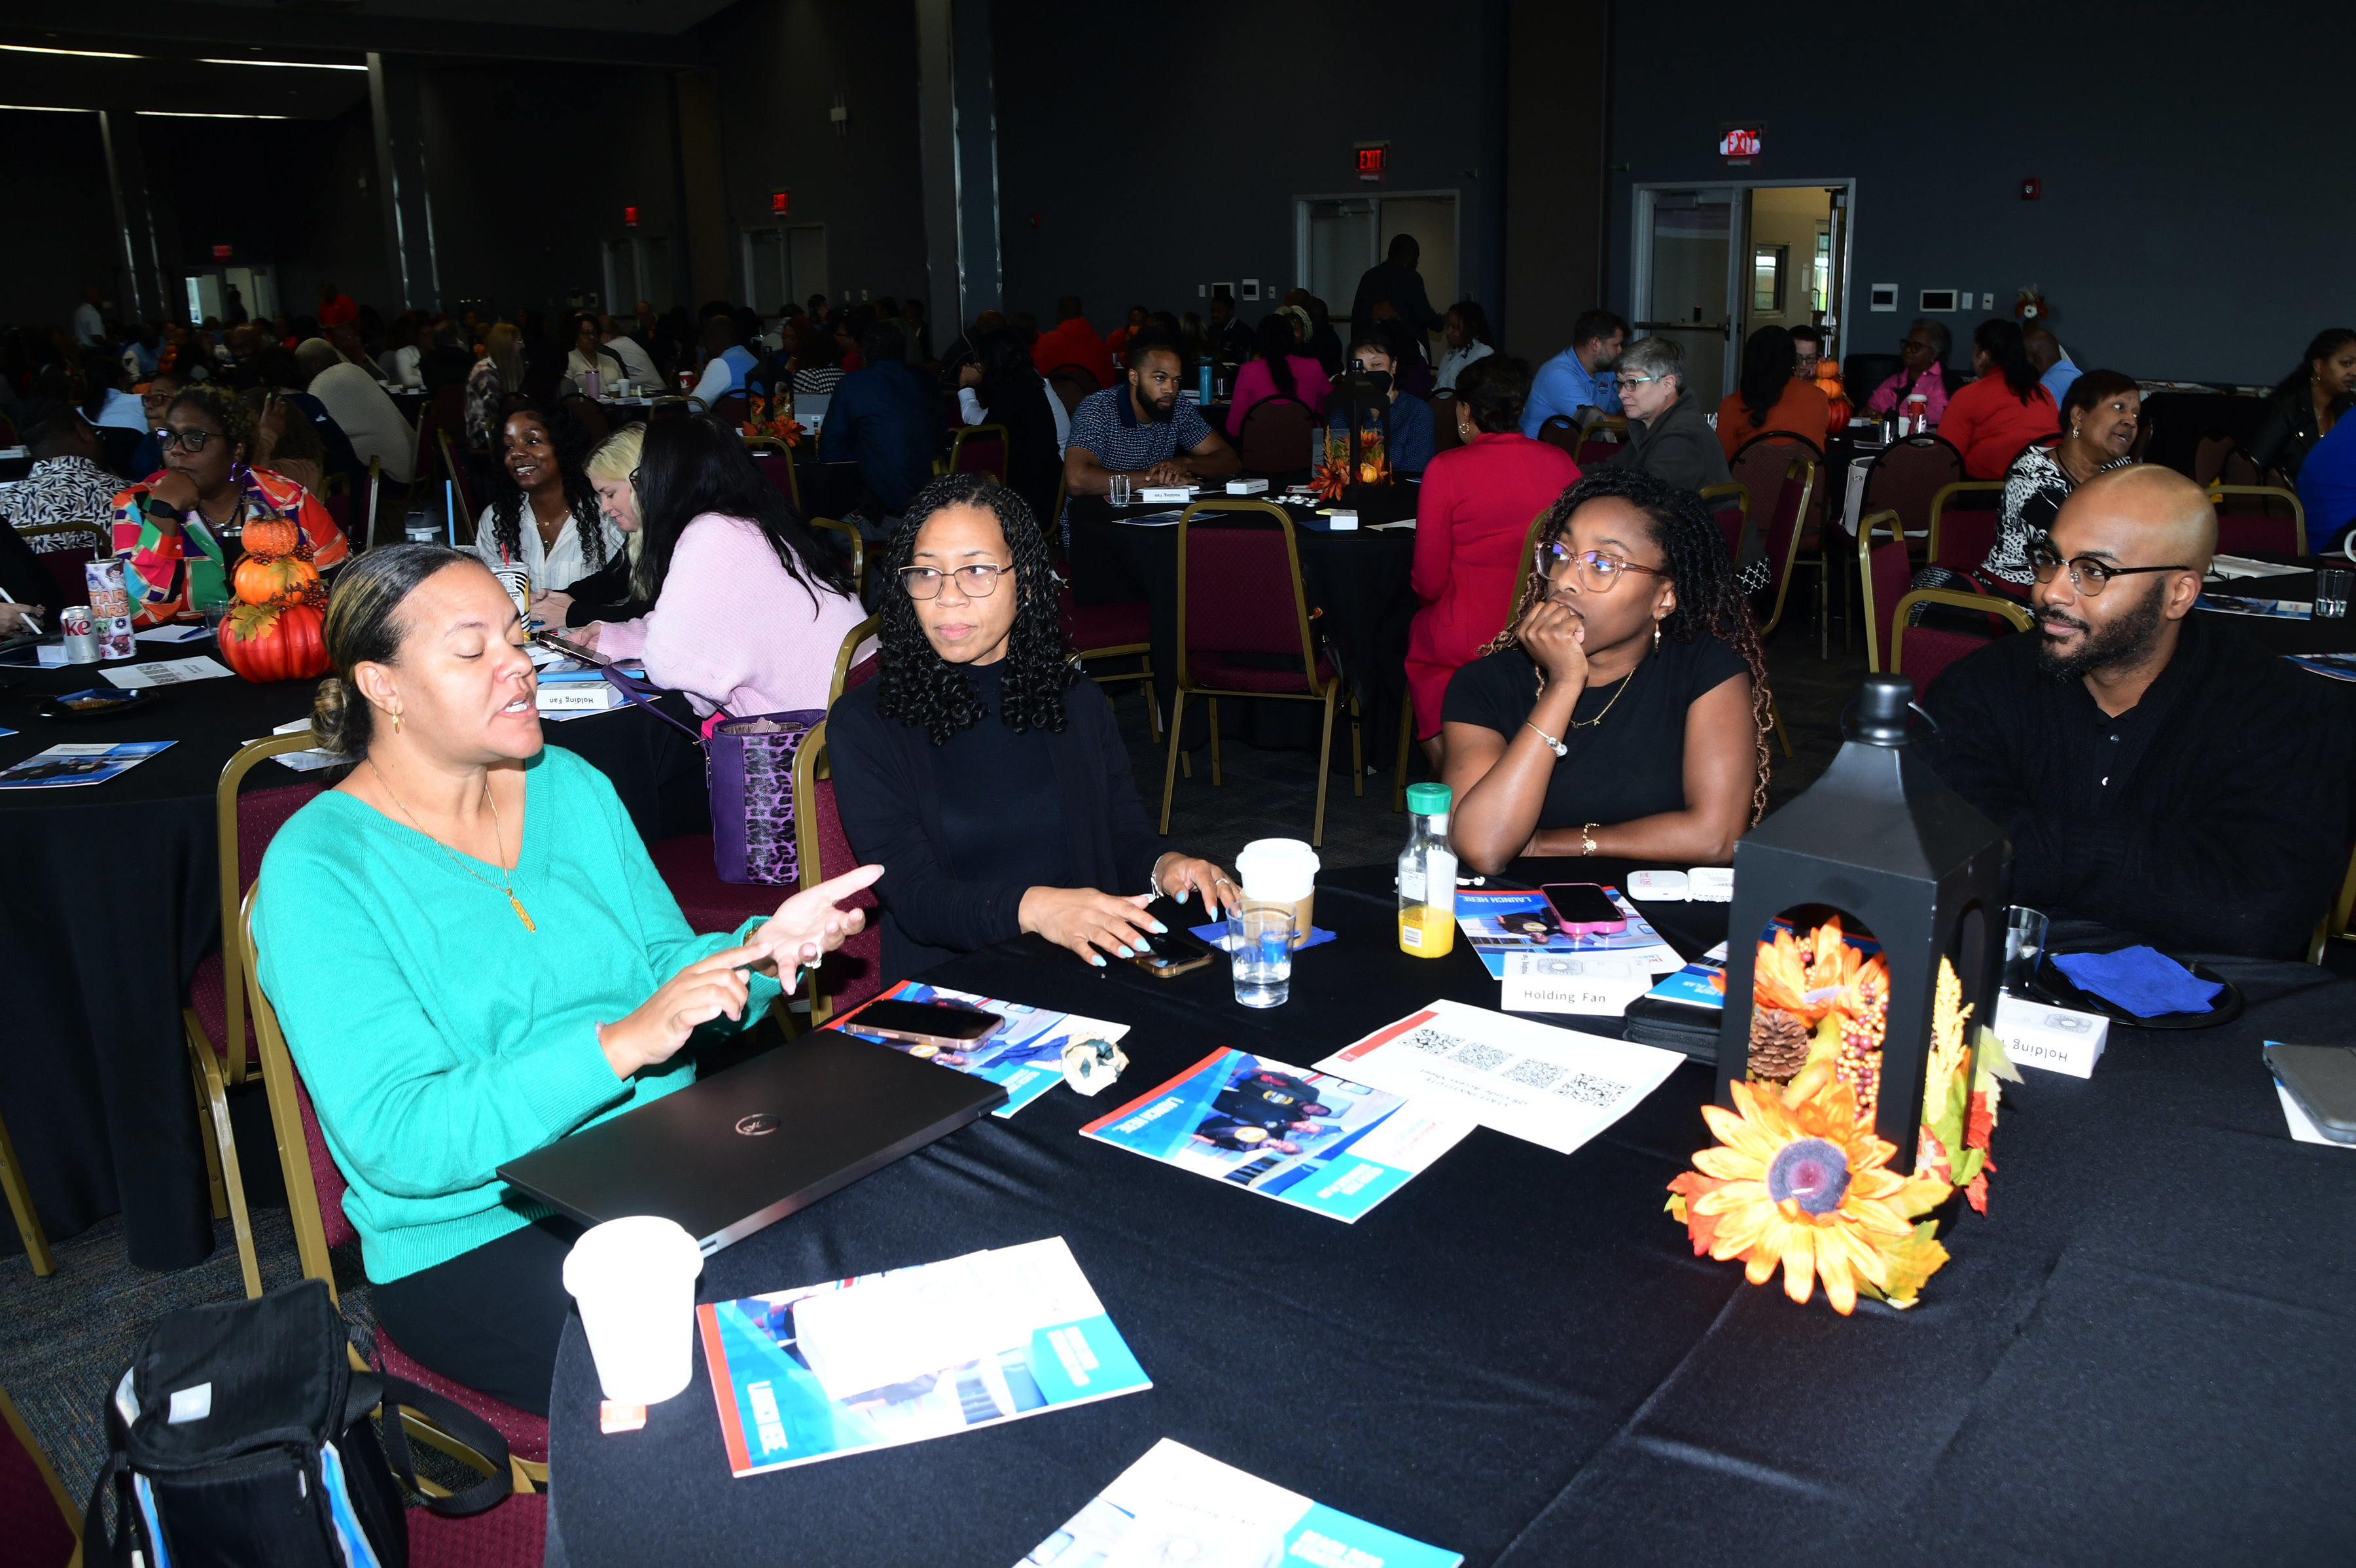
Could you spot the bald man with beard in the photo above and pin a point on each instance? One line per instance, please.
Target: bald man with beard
(2156, 771)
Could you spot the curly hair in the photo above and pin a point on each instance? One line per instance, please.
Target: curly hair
(1711, 602)
(235, 419)
(916, 685)
(572, 443)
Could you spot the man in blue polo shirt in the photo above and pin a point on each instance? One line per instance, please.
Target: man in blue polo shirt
(1580, 376)
(724, 372)
(1139, 427)
(887, 419)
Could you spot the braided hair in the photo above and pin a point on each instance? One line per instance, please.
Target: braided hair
(916, 685)
(1711, 602)
(572, 443)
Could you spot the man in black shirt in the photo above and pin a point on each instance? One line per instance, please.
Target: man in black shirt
(2155, 771)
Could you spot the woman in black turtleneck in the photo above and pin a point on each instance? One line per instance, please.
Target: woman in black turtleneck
(979, 768)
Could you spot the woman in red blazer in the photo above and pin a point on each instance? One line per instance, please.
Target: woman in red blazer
(1472, 519)
(1992, 419)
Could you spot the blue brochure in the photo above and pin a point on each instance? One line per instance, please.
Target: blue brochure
(1025, 1057)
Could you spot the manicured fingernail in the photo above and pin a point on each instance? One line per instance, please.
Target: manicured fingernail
(1096, 959)
(1125, 952)
(1161, 930)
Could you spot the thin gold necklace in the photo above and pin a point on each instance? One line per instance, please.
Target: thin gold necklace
(507, 878)
(1590, 724)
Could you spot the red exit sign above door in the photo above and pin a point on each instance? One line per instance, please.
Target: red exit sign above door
(1374, 159)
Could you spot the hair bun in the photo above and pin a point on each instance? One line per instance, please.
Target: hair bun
(330, 713)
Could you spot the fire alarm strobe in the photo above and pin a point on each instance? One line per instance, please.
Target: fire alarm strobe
(2031, 187)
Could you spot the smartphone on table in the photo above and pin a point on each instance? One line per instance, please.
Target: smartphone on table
(1171, 954)
(1583, 908)
(941, 1024)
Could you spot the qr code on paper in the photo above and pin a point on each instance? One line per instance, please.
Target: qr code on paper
(1534, 1072)
(1588, 1089)
(1433, 1040)
(1478, 1057)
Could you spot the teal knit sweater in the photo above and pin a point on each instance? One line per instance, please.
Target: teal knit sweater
(440, 1038)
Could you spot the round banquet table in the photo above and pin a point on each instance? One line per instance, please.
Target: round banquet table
(2282, 634)
(2141, 1352)
(1358, 586)
(113, 896)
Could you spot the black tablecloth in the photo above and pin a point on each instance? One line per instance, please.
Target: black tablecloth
(2141, 1353)
(1358, 580)
(2280, 633)
(111, 896)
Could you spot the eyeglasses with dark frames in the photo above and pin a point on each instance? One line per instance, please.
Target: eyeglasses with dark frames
(193, 438)
(978, 581)
(2087, 575)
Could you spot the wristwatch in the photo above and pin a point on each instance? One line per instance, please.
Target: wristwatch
(1587, 839)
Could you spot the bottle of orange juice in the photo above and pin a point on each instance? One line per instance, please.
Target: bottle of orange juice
(1426, 875)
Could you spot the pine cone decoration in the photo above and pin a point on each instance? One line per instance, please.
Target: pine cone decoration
(1779, 1043)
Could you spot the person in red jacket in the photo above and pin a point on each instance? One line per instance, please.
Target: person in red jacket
(1073, 342)
(1472, 515)
(1993, 418)
(336, 307)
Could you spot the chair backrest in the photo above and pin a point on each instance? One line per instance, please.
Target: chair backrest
(1907, 475)
(1275, 438)
(2334, 923)
(455, 471)
(43, 1522)
(775, 461)
(1443, 419)
(1923, 652)
(729, 410)
(1071, 383)
(1794, 495)
(590, 417)
(1963, 523)
(2240, 469)
(2210, 454)
(64, 564)
(2258, 517)
(1760, 465)
(244, 821)
(980, 449)
(1730, 505)
(858, 545)
(315, 1188)
(847, 673)
(1079, 372)
(1883, 572)
(1239, 588)
(1559, 431)
(855, 974)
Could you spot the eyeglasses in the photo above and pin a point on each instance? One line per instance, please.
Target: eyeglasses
(1595, 571)
(978, 581)
(2087, 575)
(1630, 383)
(193, 438)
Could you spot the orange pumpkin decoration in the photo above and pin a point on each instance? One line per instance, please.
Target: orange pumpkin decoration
(271, 536)
(276, 641)
(273, 579)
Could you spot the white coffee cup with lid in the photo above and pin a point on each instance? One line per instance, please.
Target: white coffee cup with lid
(634, 1281)
(1282, 871)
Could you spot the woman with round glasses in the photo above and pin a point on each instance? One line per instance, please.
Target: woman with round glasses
(1625, 710)
(168, 527)
(749, 608)
(980, 769)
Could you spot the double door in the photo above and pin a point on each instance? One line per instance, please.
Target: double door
(1713, 264)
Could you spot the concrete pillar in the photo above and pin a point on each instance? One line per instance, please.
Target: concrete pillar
(1555, 150)
(405, 202)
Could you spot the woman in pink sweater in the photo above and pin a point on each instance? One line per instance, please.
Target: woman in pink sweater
(1282, 370)
(749, 608)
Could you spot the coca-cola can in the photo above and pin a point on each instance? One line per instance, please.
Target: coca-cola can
(115, 637)
(109, 596)
(81, 629)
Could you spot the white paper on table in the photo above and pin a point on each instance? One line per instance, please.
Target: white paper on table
(1557, 1088)
(1590, 984)
(1189, 1507)
(171, 634)
(2302, 1127)
(2230, 566)
(52, 655)
(896, 1327)
(166, 672)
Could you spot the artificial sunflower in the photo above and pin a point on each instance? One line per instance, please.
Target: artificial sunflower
(1802, 1181)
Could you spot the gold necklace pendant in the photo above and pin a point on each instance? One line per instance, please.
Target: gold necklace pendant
(517, 905)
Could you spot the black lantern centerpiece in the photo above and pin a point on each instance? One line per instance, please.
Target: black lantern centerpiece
(1354, 462)
(1854, 1097)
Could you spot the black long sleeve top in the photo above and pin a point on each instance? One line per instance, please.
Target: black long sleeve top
(2211, 817)
(954, 869)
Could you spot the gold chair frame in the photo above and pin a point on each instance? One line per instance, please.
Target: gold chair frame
(2218, 491)
(1939, 507)
(1985, 604)
(20, 1206)
(966, 433)
(1865, 526)
(858, 550)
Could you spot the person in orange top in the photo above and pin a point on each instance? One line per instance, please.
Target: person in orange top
(1770, 397)
(1073, 342)
(1139, 319)
(1993, 418)
(166, 525)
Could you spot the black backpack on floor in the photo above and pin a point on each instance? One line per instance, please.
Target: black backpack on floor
(240, 1434)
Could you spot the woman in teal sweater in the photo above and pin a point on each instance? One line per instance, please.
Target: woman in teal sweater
(473, 956)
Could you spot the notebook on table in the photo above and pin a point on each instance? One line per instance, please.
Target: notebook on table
(740, 1150)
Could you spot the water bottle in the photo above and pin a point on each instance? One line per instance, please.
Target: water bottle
(1917, 418)
(1203, 383)
(1426, 875)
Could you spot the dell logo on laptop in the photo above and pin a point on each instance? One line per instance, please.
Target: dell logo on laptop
(757, 1124)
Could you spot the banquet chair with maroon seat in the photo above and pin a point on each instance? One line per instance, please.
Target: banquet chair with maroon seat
(1730, 505)
(1961, 536)
(1763, 466)
(2258, 517)
(43, 1526)
(775, 461)
(1560, 430)
(1121, 631)
(1905, 478)
(854, 971)
(315, 1203)
(20, 1209)
(1240, 593)
(978, 449)
(1922, 652)
(222, 1048)
(1884, 573)
(65, 563)
(1275, 438)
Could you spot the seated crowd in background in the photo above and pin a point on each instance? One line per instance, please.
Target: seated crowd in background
(1772, 396)
(2099, 414)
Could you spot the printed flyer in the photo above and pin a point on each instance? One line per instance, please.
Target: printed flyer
(1316, 1142)
(1025, 1057)
(1176, 1505)
(1497, 923)
(910, 1354)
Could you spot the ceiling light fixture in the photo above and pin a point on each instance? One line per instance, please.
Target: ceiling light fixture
(86, 54)
(286, 64)
(46, 109)
(203, 115)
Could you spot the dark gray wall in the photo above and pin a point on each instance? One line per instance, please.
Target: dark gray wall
(2188, 227)
(63, 231)
(1143, 190)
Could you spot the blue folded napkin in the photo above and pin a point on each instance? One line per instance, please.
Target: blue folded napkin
(2146, 984)
(1217, 936)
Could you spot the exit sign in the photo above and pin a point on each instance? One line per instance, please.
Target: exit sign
(630, 217)
(1374, 159)
(220, 252)
(781, 202)
(1740, 144)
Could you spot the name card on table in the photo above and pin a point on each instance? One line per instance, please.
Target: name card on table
(2055, 1038)
(1594, 985)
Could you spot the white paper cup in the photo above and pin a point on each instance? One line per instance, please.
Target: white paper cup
(634, 1281)
(1282, 871)
(517, 581)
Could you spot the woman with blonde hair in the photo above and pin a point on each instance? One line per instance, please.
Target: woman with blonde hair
(613, 592)
(497, 376)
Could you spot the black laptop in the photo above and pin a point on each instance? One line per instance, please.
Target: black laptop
(744, 1148)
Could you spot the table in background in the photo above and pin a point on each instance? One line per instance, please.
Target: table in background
(109, 895)
(2280, 633)
(2140, 1352)
(1359, 579)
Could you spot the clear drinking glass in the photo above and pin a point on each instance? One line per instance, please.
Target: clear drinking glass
(2331, 586)
(1118, 490)
(215, 611)
(2024, 944)
(1259, 940)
